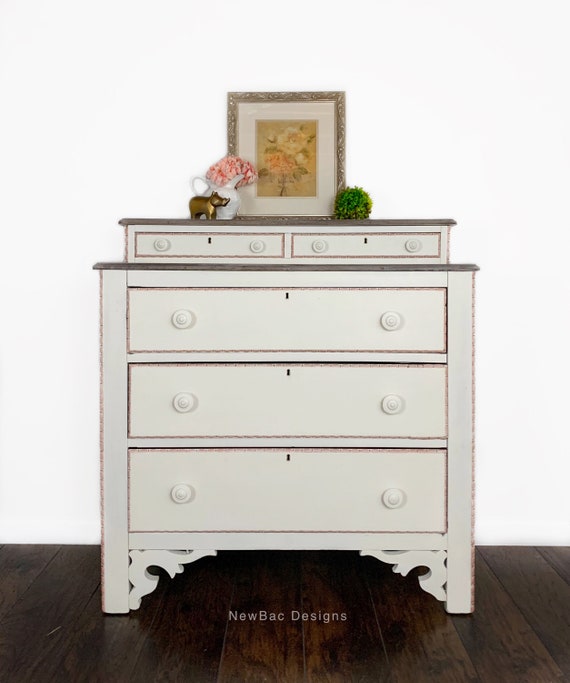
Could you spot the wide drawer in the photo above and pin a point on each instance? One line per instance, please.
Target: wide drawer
(287, 400)
(208, 245)
(277, 490)
(403, 245)
(294, 319)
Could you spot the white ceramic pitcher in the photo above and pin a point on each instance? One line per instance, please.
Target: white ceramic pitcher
(228, 190)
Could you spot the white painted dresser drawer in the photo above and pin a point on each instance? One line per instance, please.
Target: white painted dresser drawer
(277, 490)
(294, 319)
(403, 245)
(176, 245)
(278, 400)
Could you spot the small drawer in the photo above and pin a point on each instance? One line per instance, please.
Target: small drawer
(281, 319)
(296, 490)
(259, 400)
(161, 245)
(395, 245)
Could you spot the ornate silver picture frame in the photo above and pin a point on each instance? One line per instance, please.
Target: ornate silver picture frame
(296, 141)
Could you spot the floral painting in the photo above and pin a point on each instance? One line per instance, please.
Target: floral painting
(286, 158)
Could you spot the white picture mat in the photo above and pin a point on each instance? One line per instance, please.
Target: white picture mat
(324, 114)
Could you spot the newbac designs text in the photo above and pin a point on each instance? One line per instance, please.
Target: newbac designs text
(293, 615)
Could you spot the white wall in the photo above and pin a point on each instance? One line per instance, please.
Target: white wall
(454, 109)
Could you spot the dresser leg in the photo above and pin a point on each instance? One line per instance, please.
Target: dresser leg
(460, 443)
(172, 561)
(432, 582)
(114, 520)
(460, 581)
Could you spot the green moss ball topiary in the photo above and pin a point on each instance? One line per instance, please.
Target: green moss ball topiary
(352, 203)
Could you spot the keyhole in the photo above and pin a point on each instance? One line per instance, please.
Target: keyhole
(366, 240)
(209, 240)
(286, 295)
(288, 457)
(288, 372)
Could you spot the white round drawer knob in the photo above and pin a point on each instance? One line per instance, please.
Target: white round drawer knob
(391, 321)
(393, 498)
(182, 493)
(319, 246)
(413, 245)
(162, 244)
(392, 404)
(183, 319)
(184, 402)
(257, 246)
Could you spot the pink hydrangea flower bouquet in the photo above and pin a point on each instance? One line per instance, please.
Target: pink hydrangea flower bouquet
(228, 168)
(225, 177)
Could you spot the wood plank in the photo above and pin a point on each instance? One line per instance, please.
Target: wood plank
(184, 642)
(500, 642)
(54, 630)
(540, 593)
(349, 649)
(259, 646)
(37, 627)
(20, 565)
(420, 639)
(107, 647)
(559, 558)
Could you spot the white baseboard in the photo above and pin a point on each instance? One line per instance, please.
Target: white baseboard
(42, 531)
(493, 532)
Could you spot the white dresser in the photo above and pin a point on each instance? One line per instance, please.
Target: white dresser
(286, 384)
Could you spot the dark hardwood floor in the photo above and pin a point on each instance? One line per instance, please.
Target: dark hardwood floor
(189, 629)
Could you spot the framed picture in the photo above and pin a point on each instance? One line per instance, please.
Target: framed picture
(295, 140)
